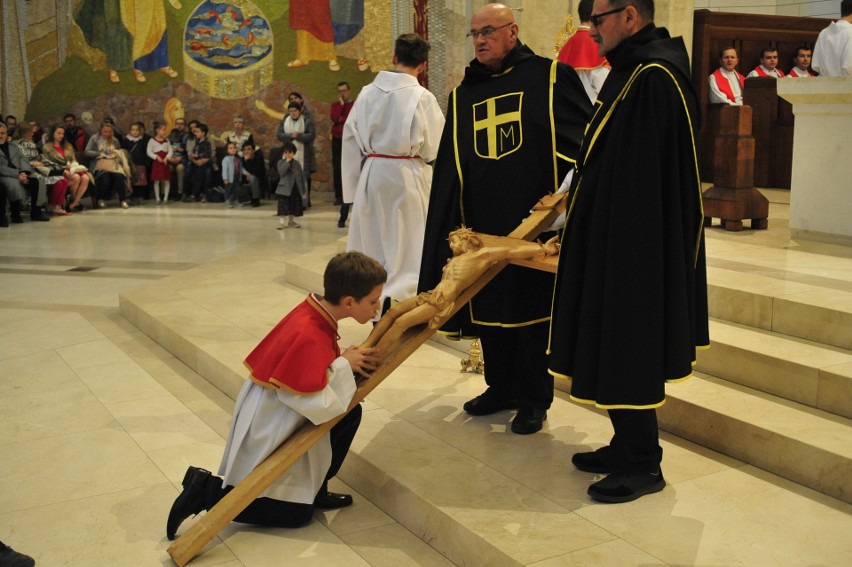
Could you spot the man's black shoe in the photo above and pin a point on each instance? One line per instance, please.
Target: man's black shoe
(528, 420)
(326, 500)
(4, 222)
(626, 487)
(38, 215)
(190, 502)
(337, 202)
(486, 404)
(602, 461)
(341, 224)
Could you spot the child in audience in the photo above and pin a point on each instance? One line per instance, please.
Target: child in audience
(291, 187)
(160, 153)
(233, 174)
(202, 168)
(297, 374)
(136, 144)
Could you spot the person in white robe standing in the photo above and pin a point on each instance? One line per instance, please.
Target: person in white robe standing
(389, 141)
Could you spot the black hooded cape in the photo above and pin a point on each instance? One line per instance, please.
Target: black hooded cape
(510, 138)
(630, 302)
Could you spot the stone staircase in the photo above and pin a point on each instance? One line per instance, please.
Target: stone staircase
(775, 387)
(774, 391)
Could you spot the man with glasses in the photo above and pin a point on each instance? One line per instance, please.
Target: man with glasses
(630, 303)
(513, 129)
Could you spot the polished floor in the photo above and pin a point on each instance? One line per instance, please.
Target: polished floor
(98, 421)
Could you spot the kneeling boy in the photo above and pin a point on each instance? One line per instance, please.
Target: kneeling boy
(297, 374)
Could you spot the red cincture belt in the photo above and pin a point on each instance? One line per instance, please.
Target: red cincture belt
(392, 157)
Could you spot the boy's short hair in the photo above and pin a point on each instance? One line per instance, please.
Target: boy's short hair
(289, 147)
(203, 127)
(411, 50)
(295, 105)
(351, 274)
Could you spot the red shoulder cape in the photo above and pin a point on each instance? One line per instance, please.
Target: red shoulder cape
(296, 353)
(581, 52)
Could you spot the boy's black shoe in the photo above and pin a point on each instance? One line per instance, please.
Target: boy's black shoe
(190, 502)
(326, 500)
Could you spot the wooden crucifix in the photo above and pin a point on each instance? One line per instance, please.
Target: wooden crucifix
(190, 543)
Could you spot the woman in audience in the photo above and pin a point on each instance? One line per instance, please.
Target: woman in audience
(239, 135)
(59, 153)
(110, 165)
(53, 180)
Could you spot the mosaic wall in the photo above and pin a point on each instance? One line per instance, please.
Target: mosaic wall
(212, 59)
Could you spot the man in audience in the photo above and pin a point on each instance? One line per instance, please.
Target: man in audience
(75, 135)
(726, 84)
(339, 112)
(177, 138)
(768, 67)
(833, 49)
(16, 181)
(202, 166)
(802, 61)
(253, 164)
(11, 124)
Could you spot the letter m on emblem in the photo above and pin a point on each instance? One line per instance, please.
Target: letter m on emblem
(497, 128)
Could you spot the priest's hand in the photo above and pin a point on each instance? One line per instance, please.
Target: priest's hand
(364, 361)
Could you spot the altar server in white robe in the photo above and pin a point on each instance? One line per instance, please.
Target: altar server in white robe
(298, 374)
(389, 141)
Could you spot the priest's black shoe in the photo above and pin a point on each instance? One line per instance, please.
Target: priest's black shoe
(488, 403)
(190, 502)
(602, 461)
(626, 487)
(528, 420)
(326, 500)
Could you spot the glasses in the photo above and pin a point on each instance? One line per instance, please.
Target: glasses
(596, 18)
(487, 32)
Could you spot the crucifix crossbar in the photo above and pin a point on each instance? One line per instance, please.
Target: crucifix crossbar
(196, 537)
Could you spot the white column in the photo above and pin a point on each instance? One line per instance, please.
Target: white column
(821, 186)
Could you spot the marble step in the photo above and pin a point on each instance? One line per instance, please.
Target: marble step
(815, 309)
(479, 496)
(813, 374)
(797, 442)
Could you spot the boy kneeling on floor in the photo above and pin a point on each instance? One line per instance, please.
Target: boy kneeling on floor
(297, 374)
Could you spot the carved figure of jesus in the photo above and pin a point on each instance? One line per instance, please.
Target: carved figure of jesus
(470, 260)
